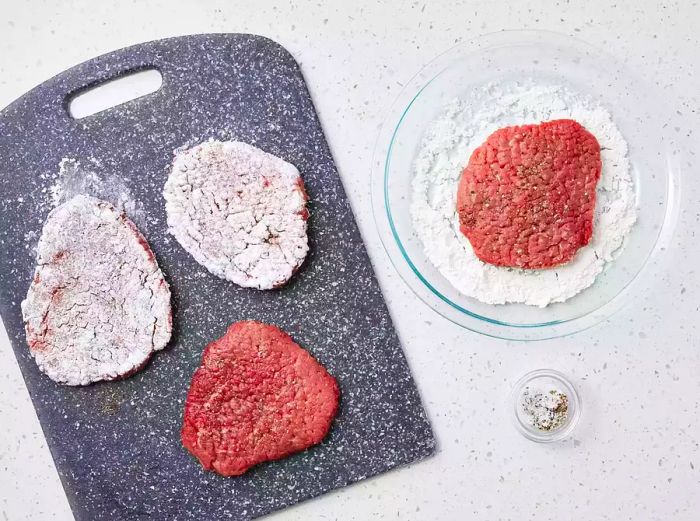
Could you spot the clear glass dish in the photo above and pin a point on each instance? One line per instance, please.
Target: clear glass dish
(546, 379)
(549, 58)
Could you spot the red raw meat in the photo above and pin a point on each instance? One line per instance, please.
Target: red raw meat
(526, 199)
(257, 397)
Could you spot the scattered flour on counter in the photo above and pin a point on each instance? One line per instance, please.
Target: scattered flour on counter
(445, 151)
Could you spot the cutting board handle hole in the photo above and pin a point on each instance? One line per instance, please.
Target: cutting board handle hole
(111, 93)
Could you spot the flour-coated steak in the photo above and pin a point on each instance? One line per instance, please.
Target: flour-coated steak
(239, 211)
(98, 305)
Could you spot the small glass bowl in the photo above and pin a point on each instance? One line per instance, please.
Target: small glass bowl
(545, 378)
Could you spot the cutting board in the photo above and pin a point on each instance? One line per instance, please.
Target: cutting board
(116, 445)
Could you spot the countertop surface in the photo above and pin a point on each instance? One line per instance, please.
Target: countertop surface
(635, 454)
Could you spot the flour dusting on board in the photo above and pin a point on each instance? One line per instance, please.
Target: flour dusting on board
(445, 151)
(75, 178)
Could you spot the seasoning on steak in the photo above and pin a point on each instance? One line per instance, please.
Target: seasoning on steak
(257, 397)
(239, 211)
(527, 197)
(98, 305)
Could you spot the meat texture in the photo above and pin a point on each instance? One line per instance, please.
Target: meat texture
(256, 397)
(239, 211)
(527, 196)
(98, 305)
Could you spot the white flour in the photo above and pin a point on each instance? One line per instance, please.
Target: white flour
(85, 177)
(445, 151)
(98, 306)
(76, 178)
(239, 211)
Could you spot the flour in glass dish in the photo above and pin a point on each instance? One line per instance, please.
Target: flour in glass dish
(445, 150)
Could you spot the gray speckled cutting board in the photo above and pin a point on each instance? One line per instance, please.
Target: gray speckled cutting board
(116, 445)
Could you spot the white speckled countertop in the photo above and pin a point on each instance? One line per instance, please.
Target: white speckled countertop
(636, 453)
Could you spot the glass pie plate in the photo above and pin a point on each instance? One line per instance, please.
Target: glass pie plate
(547, 58)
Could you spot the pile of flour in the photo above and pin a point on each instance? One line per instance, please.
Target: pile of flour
(445, 151)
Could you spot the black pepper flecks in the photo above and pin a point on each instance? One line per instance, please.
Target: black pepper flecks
(122, 459)
(545, 410)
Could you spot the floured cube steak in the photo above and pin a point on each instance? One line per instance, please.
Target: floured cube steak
(239, 211)
(98, 305)
(527, 196)
(256, 397)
